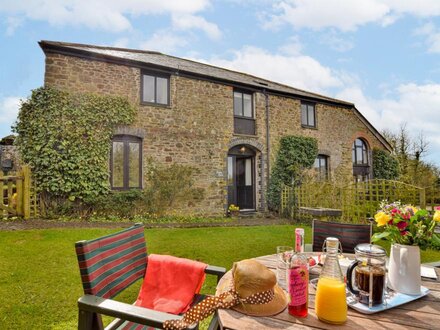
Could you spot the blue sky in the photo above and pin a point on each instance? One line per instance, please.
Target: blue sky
(383, 55)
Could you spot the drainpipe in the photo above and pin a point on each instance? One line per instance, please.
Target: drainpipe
(267, 144)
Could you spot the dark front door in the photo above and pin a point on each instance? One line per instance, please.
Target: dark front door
(241, 181)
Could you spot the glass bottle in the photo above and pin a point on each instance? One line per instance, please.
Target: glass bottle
(330, 300)
(298, 285)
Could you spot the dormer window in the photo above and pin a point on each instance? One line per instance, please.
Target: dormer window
(155, 89)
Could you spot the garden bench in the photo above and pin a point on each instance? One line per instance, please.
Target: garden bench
(110, 264)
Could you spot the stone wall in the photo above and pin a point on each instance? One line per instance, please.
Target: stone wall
(197, 128)
(10, 153)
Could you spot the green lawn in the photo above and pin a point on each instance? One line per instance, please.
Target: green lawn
(39, 277)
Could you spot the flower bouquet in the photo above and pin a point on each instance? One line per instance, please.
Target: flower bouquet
(407, 225)
(233, 210)
(409, 230)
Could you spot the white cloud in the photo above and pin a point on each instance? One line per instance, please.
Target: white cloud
(298, 70)
(188, 22)
(413, 104)
(336, 42)
(420, 8)
(164, 41)
(317, 14)
(9, 109)
(12, 23)
(109, 15)
(432, 34)
(292, 47)
(346, 15)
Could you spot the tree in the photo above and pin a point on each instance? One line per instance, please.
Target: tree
(410, 152)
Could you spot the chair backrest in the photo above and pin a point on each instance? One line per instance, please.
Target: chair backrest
(111, 263)
(348, 234)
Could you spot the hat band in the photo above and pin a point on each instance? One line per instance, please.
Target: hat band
(209, 305)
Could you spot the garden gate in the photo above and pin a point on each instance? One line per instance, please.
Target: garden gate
(18, 196)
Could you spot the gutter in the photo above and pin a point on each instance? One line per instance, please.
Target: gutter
(267, 141)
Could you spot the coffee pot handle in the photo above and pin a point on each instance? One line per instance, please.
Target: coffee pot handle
(349, 277)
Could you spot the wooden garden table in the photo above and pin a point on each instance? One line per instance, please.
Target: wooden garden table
(423, 313)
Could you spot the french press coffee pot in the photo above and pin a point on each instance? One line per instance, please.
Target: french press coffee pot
(369, 273)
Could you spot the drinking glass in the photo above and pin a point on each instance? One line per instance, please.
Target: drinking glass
(283, 256)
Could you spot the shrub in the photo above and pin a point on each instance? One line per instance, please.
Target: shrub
(164, 188)
(66, 137)
(295, 154)
(385, 166)
(170, 184)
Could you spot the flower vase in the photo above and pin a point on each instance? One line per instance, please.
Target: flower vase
(404, 269)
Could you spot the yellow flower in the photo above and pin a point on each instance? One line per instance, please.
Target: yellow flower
(381, 218)
(437, 216)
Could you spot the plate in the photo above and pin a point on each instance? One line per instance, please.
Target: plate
(392, 299)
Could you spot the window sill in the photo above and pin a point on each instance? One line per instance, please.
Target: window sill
(156, 105)
(246, 135)
(244, 117)
(309, 127)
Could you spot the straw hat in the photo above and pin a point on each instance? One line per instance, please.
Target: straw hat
(250, 277)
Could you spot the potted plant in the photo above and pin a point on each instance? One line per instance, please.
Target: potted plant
(409, 229)
(233, 210)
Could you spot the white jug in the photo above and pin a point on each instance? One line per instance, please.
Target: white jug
(404, 269)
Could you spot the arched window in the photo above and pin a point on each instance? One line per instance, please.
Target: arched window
(360, 152)
(361, 165)
(126, 162)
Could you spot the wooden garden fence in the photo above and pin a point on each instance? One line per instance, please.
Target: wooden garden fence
(18, 194)
(358, 201)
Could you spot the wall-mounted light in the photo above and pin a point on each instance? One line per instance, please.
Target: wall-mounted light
(243, 149)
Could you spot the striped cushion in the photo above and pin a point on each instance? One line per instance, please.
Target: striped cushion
(111, 263)
(348, 234)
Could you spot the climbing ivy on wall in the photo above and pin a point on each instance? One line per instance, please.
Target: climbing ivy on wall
(295, 154)
(65, 137)
(385, 166)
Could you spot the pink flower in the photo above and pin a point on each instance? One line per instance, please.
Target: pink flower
(436, 208)
(402, 225)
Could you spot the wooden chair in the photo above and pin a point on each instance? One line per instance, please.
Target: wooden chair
(110, 264)
(348, 234)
